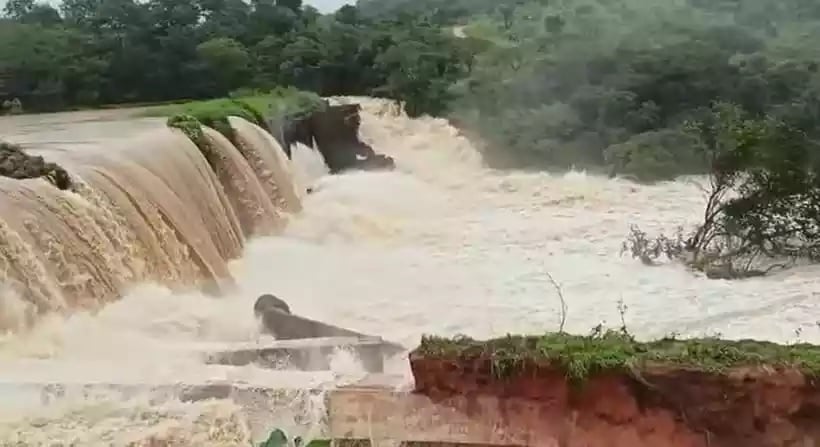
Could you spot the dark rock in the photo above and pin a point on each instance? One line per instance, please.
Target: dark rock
(268, 301)
(296, 130)
(16, 164)
(335, 131)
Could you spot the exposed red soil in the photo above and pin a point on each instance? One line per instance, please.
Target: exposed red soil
(656, 407)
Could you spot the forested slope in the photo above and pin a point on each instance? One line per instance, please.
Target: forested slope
(87, 53)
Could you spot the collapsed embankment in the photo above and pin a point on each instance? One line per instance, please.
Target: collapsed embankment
(610, 391)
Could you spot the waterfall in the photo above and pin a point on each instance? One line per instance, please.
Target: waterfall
(152, 208)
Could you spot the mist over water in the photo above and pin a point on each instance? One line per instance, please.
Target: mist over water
(441, 245)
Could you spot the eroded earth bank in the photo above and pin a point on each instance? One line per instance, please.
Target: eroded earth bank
(610, 391)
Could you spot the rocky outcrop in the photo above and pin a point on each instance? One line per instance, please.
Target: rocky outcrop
(335, 131)
(16, 164)
(756, 400)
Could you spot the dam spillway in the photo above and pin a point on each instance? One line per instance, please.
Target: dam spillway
(440, 245)
(149, 208)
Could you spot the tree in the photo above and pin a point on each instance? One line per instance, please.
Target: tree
(18, 9)
(418, 76)
(227, 62)
(293, 5)
(554, 24)
(226, 18)
(347, 14)
(99, 50)
(763, 199)
(268, 57)
(29, 11)
(507, 11)
(269, 18)
(80, 12)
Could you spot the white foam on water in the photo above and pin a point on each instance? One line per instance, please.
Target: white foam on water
(441, 245)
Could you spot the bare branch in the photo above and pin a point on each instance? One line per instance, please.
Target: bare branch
(563, 302)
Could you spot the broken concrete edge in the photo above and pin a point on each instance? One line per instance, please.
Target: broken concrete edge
(288, 326)
(304, 354)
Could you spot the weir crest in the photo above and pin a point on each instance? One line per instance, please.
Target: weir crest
(151, 208)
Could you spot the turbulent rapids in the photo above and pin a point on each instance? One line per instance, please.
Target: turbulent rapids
(157, 254)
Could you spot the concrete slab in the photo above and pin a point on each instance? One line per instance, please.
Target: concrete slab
(372, 411)
(312, 354)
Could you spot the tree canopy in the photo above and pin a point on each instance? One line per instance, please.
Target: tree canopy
(608, 84)
(93, 52)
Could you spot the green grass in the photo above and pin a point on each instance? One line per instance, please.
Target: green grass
(290, 100)
(252, 106)
(584, 356)
(278, 438)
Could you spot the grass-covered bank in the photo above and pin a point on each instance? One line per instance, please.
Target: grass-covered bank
(260, 108)
(582, 357)
(256, 107)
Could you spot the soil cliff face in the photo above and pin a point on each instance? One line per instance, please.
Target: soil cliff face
(645, 404)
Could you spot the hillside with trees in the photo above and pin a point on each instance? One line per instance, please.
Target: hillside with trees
(88, 53)
(654, 90)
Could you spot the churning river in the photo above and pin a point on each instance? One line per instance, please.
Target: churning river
(440, 245)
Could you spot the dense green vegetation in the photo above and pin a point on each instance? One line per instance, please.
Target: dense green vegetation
(547, 83)
(763, 198)
(616, 351)
(610, 84)
(653, 90)
(246, 105)
(92, 52)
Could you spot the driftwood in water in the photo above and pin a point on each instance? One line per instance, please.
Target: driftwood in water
(335, 131)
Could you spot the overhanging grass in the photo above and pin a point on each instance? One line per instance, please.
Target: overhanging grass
(583, 356)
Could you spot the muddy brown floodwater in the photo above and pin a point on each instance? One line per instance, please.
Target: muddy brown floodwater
(440, 245)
